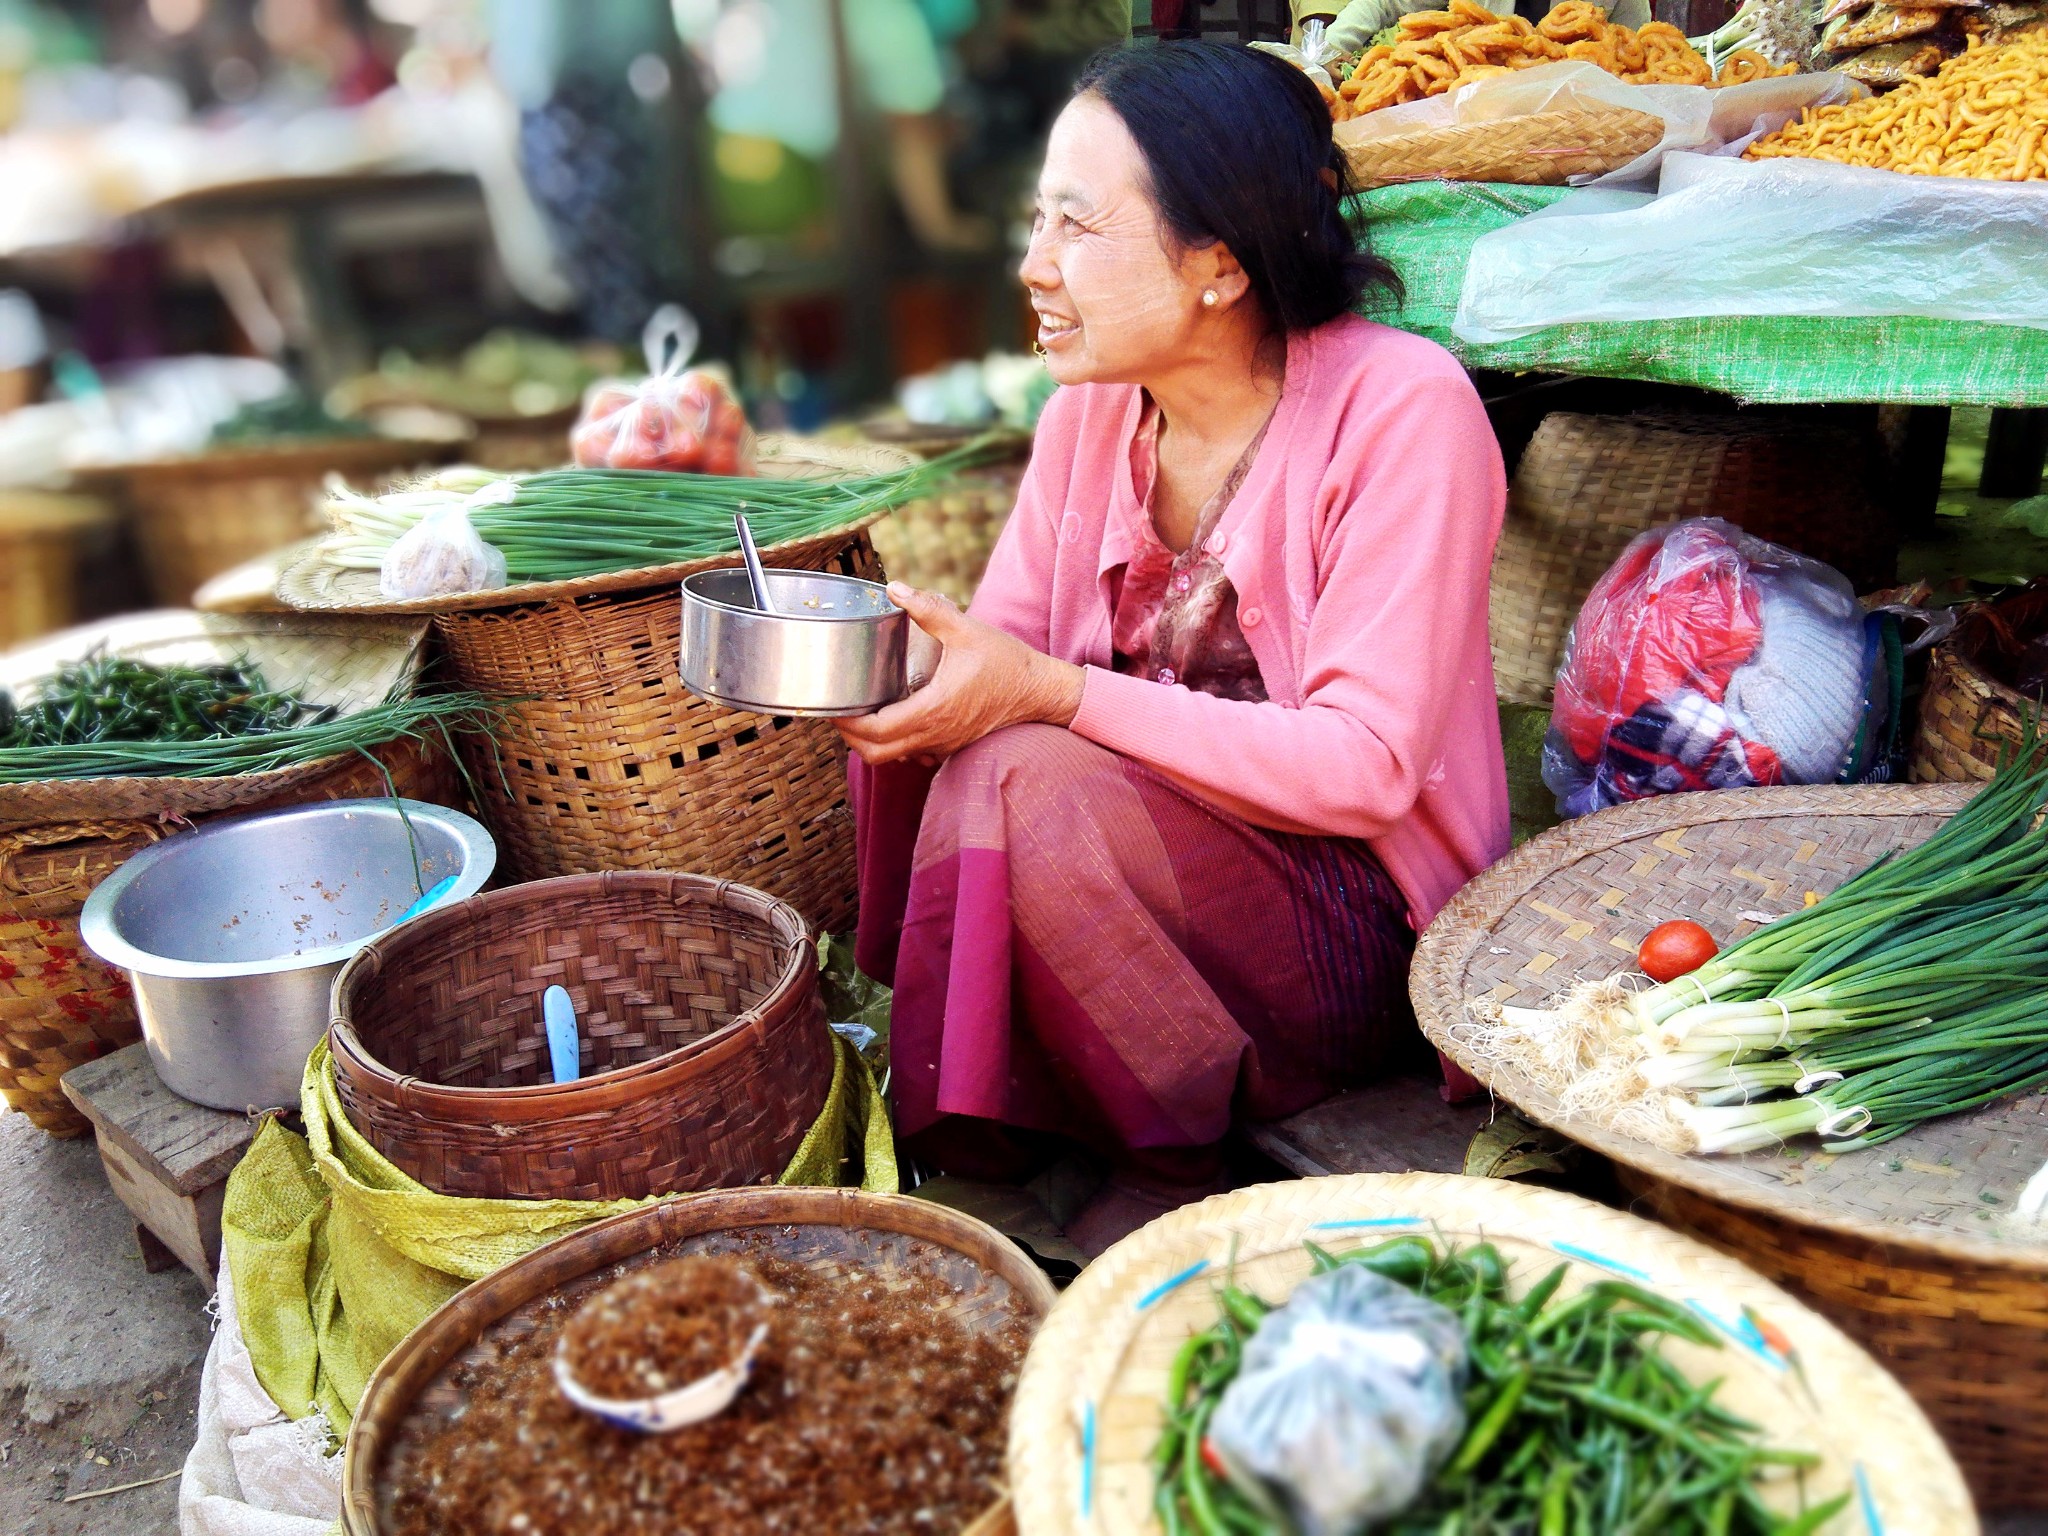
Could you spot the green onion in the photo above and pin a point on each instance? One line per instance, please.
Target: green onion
(562, 524)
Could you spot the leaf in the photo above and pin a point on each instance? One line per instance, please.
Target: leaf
(1513, 1148)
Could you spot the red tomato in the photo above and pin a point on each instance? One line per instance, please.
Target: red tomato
(1672, 950)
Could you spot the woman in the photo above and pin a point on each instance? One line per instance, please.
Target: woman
(1218, 733)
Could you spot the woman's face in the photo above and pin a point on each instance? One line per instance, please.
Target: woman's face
(1117, 301)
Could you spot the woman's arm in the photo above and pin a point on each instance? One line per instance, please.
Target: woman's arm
(1015, 594)
(1403, 596)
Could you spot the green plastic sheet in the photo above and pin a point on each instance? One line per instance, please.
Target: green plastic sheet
(1426, 229)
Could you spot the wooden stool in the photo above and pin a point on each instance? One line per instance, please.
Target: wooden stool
(167, 1158)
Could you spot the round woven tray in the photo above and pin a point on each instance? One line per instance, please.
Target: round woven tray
(835, 1230)
(309, 582)
(1098, 1367)
(349, 664)
(1539, 149)
(1905, 1245)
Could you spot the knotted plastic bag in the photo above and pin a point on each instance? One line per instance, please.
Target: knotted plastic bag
(677, 418)
(1315, 53)
(443, 555)
(1351, 1396)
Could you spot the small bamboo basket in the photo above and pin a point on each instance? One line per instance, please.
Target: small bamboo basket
(1538, 149)
(1586, 485)
(705, 1050)
(838, 1231)
(198, 516)
(44, 540)
(1967, 716)
(1090, 1404)
(1906, 1247)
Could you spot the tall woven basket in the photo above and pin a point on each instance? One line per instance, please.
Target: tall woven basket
(1908, 1247)
(705, 1050)
(1586, 485)
(606, 761)
(198, 516)
(59, 1007)
(1968, 717)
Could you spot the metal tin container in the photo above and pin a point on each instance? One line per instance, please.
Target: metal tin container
(232, 935)
(835, 645)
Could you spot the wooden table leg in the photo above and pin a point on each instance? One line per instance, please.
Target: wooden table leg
(2014, 453)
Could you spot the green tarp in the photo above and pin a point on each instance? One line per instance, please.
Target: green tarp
(1426, 229)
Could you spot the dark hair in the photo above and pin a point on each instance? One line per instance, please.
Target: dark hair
(1237, 142)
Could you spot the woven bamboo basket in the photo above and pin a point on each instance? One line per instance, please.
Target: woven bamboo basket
(838, 1231)
(1538, 149)
(59, 1007)
(198, 516)
(521, 443)
(606, 760)
(1967, 716)
(1905, 1247)
(1586, 485)
(44, 538)
(942, 542)
(704, 1042)
(1088, 1411)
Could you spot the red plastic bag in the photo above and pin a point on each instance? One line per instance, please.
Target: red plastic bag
(678, 418)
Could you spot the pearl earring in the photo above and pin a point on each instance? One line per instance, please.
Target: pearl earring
(1208, 298)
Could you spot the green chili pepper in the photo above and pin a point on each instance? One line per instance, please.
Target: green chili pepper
(1479, 1439)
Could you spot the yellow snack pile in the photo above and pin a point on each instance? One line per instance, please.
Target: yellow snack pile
(1437, 51)
(1984, 114)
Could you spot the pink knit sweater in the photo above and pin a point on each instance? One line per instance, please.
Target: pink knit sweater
(1359, 547)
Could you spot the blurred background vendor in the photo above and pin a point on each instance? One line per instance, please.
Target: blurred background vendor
(1218, 734)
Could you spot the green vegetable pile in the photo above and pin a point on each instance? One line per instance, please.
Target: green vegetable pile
(288, 415)
(564, 524)
(113, 717)
(116, 699)
(1576, 1424)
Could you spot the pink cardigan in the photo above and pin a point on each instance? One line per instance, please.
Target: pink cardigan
(1359, 547)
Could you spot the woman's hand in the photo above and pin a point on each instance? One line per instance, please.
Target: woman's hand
(986, 679)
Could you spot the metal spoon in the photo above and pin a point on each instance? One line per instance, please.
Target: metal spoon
(756, 577)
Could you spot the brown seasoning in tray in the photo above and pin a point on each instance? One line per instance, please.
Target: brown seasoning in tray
(869, 1411)
(663, 1327)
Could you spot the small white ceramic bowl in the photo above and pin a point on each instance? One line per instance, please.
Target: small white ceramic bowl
(704, 1398)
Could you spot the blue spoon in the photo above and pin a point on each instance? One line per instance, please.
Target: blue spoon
(564, 1053)
(428, 899)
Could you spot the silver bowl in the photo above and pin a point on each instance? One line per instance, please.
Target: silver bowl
(232, 935)
(835, 645)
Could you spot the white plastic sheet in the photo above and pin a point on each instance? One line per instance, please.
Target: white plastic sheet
(1760, 238)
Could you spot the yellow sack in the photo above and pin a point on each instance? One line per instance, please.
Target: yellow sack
(337, 1255)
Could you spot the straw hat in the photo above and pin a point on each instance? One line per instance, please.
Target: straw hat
(1088, 1408)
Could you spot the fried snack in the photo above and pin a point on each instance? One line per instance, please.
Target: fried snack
(1437, 51)
(1983, 114)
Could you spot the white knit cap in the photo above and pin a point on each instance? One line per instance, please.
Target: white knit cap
(1803, 691)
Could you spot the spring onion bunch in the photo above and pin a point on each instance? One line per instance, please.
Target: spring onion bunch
(1917, 989)
(562, 524)
(418, 718)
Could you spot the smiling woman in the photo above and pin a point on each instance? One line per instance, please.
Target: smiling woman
(1218, 732)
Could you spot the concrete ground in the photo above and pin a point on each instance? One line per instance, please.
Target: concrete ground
(99, 1360)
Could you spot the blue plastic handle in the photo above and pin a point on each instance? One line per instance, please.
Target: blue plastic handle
(564, 1050)
(428, 899)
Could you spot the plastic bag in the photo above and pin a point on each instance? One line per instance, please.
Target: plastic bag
(443, 555)
(1708, 659)
(677, 418)
(1783, 237)
(1315, 51)
(1349, 1400)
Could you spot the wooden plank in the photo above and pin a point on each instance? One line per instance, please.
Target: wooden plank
(187, 1145)
(1392, 1127)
